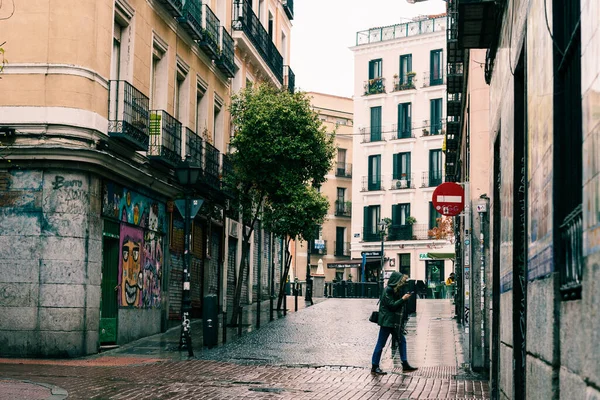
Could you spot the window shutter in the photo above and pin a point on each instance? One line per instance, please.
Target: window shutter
(395, 214)
(396, 172)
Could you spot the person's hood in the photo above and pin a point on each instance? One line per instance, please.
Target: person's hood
(395, 278)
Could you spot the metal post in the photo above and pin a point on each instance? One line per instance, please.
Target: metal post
(185, 339)
(272, 279)
(381, 272)
(296, 295)
(259, 283)
(308, 295)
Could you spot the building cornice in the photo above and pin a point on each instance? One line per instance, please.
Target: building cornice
(55, 69)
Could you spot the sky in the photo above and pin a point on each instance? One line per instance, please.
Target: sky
(324, 30)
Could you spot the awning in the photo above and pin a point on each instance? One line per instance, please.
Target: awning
(441, 256)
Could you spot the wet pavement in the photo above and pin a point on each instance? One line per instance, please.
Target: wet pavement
(322, 351)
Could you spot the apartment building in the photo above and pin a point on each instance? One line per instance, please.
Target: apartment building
(111, 111)
(399, 118)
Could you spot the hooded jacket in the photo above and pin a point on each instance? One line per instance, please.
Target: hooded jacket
(391, 303)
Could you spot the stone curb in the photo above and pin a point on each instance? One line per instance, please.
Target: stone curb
(57, 393)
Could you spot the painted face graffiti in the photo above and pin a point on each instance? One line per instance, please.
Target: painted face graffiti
(132, 279)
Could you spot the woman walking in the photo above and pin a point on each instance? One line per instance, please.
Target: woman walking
(391, 305)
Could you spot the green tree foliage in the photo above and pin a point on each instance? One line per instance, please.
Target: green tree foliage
(280, 150)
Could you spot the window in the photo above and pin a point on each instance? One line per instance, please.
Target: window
(340, 244)
(375, 124)
(182, 95)
(340, 203)
(405, 68)
(159, 81)
(405, 264)
(371, 219)
(400, 229)
(401, 170)
(435, 65)
(433, 216)
(375, 83)
(218, 122)
(201, 109)
(374, 172)
(270, 26)
(435, 106)
(120, 67)
(375, 68)
(341, 163)
(404, 122)
(435, 167)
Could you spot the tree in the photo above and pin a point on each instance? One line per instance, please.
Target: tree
(280, 148)
(444, 230)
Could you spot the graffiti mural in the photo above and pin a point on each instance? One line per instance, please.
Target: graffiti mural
(130, 266)
(152, 273)
(131, 207)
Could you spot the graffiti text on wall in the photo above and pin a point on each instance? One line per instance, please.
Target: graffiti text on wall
(131, 207)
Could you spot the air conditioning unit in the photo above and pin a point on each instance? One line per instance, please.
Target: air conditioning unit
(401, 184)
(233, 229)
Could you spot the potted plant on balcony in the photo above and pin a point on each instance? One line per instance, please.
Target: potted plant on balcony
(411, 220)
(425, 132)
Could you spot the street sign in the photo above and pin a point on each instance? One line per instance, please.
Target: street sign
(319, 244)
(195, 205)
(449, 199)
(376, 253)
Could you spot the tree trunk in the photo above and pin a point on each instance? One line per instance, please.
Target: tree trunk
(244, 265)
(286, 271)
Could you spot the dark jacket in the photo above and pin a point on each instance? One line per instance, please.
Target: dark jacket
(391, 304)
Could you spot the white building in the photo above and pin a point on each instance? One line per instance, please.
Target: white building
(399, 119)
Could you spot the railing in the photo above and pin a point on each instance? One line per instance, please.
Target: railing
(404, 181)
(400, 232)
(342, 249)
(405, 132)
(371, 234)
(128, 115)
(225, 61)
(246, 21)
(432, 128)
(210, 32)
(404, 83)
(191, 19)
(193, 148)
(173, 6)
(344, 289)
(371, 183)
(289, 78)
(227, 171)
(431, 178)
(288, 7)
(315, 250)
(571, 232)
(392, 32)
(374, 86)
(343, 208)
(375, 135)
(343, 170)
(432, 79)
(211, 166)
(165, 138)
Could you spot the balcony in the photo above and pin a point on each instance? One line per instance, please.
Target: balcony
(288, 7)
(400, 232)
(405, 131)
(404, 83)
(432, 128)
(404, 181)
(227, 171)
(128, 115)
(453, 125)
(194, 149)
(318, 247)
(246, 21)
(372, 184)
(289, 79)
(478, 25)
(174, 7)
(210, 33)
(455, 78)
(454, 106)
(371, 135)
(436, 78)
(211, 167)
(225, 60)
(431, 178)
(343, 170)
(342, 249)
(374, 86)
(191, 19)
(571, 232)
(371, 234)
(165, 139)
(343, 208)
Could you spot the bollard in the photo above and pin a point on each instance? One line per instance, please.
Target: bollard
(296, 297)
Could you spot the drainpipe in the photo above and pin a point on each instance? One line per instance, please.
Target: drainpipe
(482, 209)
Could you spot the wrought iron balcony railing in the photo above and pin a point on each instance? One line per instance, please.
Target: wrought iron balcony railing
(342, 249)
(374, 134)
(405, 131)
(432, 128)
(174, 7)
(400, 232)
(371, 234)
(372, 183)
(289, 78)
(431, 178)
(374, 86)
(403, 181)
(191, 19)
(165, 138)
(211, 166)
(343, 208)
(246, 21)
(225, 60)
(434, 78)
(194, 148)
(210, 32)
(128, 115)
(571, 231)
(404, 83)
(288, 7)
(343, 170)
(375, 35)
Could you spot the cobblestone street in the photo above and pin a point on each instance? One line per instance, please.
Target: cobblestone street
(321, 352)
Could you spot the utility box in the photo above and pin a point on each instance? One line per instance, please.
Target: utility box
(210, 321)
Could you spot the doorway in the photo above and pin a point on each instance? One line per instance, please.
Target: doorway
(109, 284)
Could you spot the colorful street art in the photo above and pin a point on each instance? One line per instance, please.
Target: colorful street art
(130, 270)
(132, 207)
(153, 262)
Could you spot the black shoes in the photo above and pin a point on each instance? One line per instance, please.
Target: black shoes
(375, 370)
(406, 367)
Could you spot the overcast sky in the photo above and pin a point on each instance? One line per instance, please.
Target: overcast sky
(323, 31)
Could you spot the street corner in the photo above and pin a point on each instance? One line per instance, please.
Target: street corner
(12, 389)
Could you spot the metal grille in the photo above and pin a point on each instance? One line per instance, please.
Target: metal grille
(165, 137)
(211, 168)
(193, 147)
(210, 33)
(192, 18)
(128, 112)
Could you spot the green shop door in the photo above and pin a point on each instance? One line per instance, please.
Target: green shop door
(110, 272)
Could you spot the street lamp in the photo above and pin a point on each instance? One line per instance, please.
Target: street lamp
(187, 175)
(382, 226)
